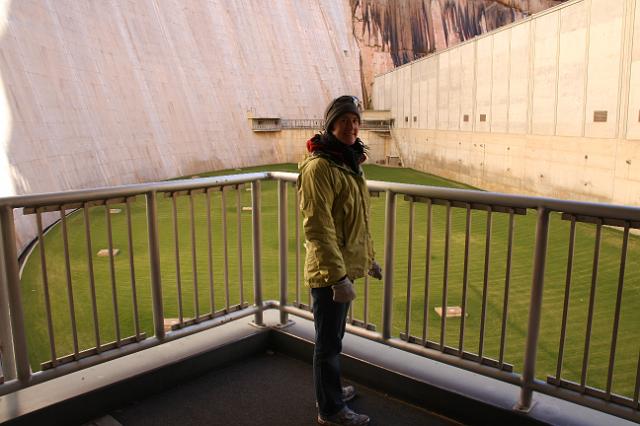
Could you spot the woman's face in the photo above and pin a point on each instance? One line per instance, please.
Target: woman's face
(346, 127)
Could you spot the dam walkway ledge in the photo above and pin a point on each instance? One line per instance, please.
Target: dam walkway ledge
(421, 368)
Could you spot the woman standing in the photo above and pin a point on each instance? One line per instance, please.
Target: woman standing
(334, 200)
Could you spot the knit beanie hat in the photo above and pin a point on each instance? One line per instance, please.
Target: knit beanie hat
(339, 106)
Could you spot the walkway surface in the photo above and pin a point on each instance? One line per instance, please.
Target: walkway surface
(267, 389)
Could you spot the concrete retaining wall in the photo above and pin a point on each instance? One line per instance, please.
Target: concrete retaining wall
(520, 109)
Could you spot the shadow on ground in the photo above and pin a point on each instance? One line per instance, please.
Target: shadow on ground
(268, 389)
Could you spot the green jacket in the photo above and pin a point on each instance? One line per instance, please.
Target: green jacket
(335, 206)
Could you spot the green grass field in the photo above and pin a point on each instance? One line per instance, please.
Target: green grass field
(518, 308)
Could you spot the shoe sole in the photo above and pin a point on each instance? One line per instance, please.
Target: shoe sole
(330, 423)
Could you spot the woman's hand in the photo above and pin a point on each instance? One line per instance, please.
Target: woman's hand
(343, 291)
(375, 271)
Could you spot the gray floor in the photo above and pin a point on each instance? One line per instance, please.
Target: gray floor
(269, 389)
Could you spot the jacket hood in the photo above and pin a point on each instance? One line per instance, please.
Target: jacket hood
(339, 155)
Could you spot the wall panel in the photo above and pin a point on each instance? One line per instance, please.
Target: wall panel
(467, 83)
(572, 69)
(500, 81)
(377, 100)
(455, 70)
(415, 95)
(633, 118)
(545, 70)
(424, 94)
(406, 96)
(520, 68)
(443, 90)
(432, 84)
(388, 87)
(605, 49)
(484, 80)
(396, 107)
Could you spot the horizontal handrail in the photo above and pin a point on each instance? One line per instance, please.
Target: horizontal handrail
(302, 123)
(585, 208)
(101, 193)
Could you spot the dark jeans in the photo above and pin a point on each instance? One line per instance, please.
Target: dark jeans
(330, 320)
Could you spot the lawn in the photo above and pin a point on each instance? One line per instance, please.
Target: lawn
(519, 292)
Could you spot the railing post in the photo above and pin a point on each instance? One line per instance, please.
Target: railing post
(7, 361)
(389, 251)
(257, 241)
(284, 247)
(535, 309)
(154, 264)
(11, 279)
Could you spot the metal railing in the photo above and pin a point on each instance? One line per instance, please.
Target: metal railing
(381, 126)
(302, 123)
(487, 333)
(266, 125)
(318, 124)
(83, 340)
(473, 349)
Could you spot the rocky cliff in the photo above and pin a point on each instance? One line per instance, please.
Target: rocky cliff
(391, 32)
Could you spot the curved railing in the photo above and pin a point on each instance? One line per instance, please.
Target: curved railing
(472, 295)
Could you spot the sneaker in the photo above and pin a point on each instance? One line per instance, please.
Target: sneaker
(348, 393)
(344, 417)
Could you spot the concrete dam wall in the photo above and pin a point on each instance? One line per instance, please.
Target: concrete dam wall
(98, 93)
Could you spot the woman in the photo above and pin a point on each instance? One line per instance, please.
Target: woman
(335, 206)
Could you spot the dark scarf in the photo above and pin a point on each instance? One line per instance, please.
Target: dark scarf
(349, 155)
